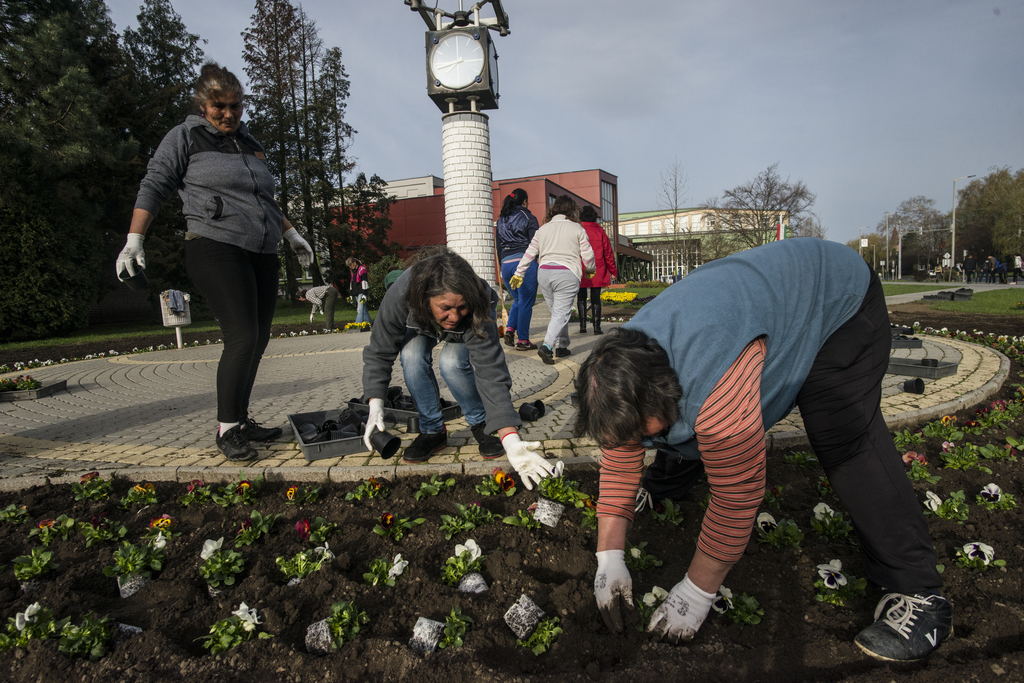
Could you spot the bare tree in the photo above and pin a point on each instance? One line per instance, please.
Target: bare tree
(752, 211)
(672, 199)
(810, 227)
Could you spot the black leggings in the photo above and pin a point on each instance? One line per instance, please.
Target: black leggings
(595, 302)
(240, 288)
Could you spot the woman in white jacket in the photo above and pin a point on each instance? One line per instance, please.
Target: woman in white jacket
(559, 246)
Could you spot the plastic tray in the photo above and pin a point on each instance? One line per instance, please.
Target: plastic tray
(902, 342)
(326, 449)
(410, 418)
(914, 368)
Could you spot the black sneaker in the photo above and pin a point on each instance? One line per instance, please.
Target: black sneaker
(525, 345)
(510, 337)
(562, 353)
(424, 446)
(913, 627)
(234, 446)
(490, 446)
(545, 354)
(254, 431)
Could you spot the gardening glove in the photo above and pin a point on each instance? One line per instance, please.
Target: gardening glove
(684, 610)
(523, 456)
(132, 254)
(311, 314)
(515, 281)
(613, 588)
(301, 247)
(374, 421)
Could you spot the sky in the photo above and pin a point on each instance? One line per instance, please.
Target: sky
(868, 102)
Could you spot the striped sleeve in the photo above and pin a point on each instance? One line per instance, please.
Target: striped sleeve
(620, 479)
(730, 435)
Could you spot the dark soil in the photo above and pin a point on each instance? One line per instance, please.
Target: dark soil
(797, 640)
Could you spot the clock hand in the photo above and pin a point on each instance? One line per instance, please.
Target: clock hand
(450, 65)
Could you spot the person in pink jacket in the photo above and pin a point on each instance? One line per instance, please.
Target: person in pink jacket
(604, 258)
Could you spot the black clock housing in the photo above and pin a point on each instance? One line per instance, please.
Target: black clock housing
(484, 88)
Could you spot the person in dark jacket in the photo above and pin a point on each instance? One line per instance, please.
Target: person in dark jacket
(604, 259)
(970, 265)
(234, 229)
(516, 227)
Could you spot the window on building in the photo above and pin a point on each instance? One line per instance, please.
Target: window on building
(607, 202)
(629, 229)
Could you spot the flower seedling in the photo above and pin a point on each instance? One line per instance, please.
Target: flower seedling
(723, 600)
(917, 469)
(978, 556)
(963, 457)
(782, 534)
(198, 492)
(824, 487)
(250, 530)
(14, 514)
(90, 639)
(496, 484)
(101, 530)
(742, 610)
(800, 459)
(468, 518)
(140, 494)
(382, 571)
(34, 565)
(433, 487)
(992, 498)
(235, 630)
(19, 383)
(835, 588)
(394, 528)
(50, 529)
(667, 512)
(543, 637)
(589, 513)
(945, 429)
(830, 524)
(345, 622)
(649, 603)
(241, 493)
(773, 496)
(220, 565)
(35, 623)
(456, 625)
(141, 560)
(560, 489)
(468, 558)
(638, 559)
(296, 496)
(954, 508)
(92, 487)
(317, 531)
(522, 518)
(305, 563)
(165, 525)
(370, 488)
(907, 438)
(993, 452)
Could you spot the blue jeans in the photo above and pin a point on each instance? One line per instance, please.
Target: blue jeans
(523, 297)
(362, 315)
(457, 372)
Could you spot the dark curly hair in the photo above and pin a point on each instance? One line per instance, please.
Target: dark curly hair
(626, 380)
(565, 206)
(438, 271)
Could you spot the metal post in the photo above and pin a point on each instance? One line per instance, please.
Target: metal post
(952, 251)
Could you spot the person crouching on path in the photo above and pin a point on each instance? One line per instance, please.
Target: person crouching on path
(441, 299)
(558, 246)
(702, 372)
(604, 260)
(323, 299)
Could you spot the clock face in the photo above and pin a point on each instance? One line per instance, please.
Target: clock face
(457, 60)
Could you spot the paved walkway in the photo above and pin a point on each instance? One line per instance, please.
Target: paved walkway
(151, 415)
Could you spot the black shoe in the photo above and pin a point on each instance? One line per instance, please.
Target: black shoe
(234, 446)
(253, 431)
(490, 446)
(510, 337)
(583, 329)
(597, 329)
(545, 354)
(562, 353)
(913, 627)
(525, 345)
(424, 446)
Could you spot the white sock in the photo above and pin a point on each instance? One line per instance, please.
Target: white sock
(225, 426)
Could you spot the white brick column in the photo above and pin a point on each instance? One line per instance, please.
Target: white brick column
(468, 203)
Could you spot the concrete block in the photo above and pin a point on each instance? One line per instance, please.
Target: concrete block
(349, 474)
(314, 474)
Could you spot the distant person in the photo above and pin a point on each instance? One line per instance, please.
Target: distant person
(359, 288)
(938, 272)
(1001, 271)
(323, 299)
(1018, 265)
(231, 246)
(970, 264)
(604, 260)
(559, 246)
(516, 227)
(986, 272)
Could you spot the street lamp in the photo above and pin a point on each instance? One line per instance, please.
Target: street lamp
(888, 261)
(953, 230)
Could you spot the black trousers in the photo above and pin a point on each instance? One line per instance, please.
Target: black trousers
(840, 403)
(241, 289)
(595, 303)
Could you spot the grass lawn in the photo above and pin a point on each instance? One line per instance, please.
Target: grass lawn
(998, 301)
(891, 289)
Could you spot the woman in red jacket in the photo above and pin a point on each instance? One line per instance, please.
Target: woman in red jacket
(604, 258)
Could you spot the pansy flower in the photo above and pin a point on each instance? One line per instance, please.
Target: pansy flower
(980, 412)
(290, 493)
(387, 520)
(979, 551)
(932, 502)
(766, 522)
(143, 488)
(991, 493)
(195, 484)
(822, 511)
(374, 483)
(243, 486)
(210, 547)
(248, 617)
(723, 601)
(46, 523)
(948, 419)
(504, 481)
(998, 404)
(303, 527)
(22, 619)
(397, 567)
(164, 521)
(970, 424)
(910, 457)
(160, 542)
(831, 574)
(89, 477)
(471, 547)
(244, 525)
(948, 446)
(98, 522)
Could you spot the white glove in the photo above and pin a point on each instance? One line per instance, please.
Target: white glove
(311, 314)
(684, 610)
(523, 456)
(301, 247)
(613, 587)
(131, 254)
(374, 421)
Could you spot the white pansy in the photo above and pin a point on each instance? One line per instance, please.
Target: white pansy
(397, 567)
(981, 551)
(991, 493)
(659, 592)
(831, 574)
(471, 547)
(210, 547)
(248, 617)
(160, 541)
(766, 522)
(932, 502)
(324, 550)
(22, 619)
(650, 599)
(635, 553)
(822, 512)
